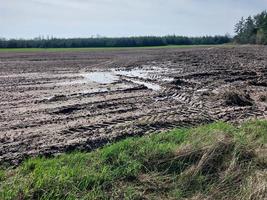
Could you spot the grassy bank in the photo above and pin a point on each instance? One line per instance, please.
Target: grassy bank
(216, 161)
(22, 50)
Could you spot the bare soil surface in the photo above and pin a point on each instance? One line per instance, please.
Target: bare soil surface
(56, 102)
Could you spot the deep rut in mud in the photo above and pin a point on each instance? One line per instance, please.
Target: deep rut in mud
(56, 102)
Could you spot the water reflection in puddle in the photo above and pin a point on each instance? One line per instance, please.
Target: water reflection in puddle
(101, 77)
(139, 73)
(145, 73)
(135, 76)
(94, 77)
(133, 73)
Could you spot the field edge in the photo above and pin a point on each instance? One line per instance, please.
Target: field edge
(217, 160)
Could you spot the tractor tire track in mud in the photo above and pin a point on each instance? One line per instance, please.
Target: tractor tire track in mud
(49, 106)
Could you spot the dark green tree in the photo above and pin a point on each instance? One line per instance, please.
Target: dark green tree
(253, 30)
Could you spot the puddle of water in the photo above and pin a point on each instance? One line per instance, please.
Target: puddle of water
(148, 72)
(101, 77)
(133, 73)
(145, 73)
(140, 73)
(109, 77)
(94, 77)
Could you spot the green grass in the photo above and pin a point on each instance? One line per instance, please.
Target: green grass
(218, 161)
(21, 50)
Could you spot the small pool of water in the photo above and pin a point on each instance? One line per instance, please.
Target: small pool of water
(133, 73)
(101, 77)
(108, 77)
(140, 72)
(113, 76)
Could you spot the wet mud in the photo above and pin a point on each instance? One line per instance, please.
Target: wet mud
(58, 102)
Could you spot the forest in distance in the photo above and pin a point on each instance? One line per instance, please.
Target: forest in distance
(138, 41)
(252, 30)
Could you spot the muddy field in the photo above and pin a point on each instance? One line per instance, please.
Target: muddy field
(57, 102)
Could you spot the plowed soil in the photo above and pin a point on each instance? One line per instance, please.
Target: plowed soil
(53, 102)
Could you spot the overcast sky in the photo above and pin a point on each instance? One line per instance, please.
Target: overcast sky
(84, 18)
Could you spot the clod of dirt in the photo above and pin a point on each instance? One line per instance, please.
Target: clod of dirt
(57, 98)
(235, 98)
(260, 82)
(66, 110)
(180, 82)
(52, 99)
(263, 98)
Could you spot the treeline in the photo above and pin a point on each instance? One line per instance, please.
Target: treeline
(112, 42)
(252, 30)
